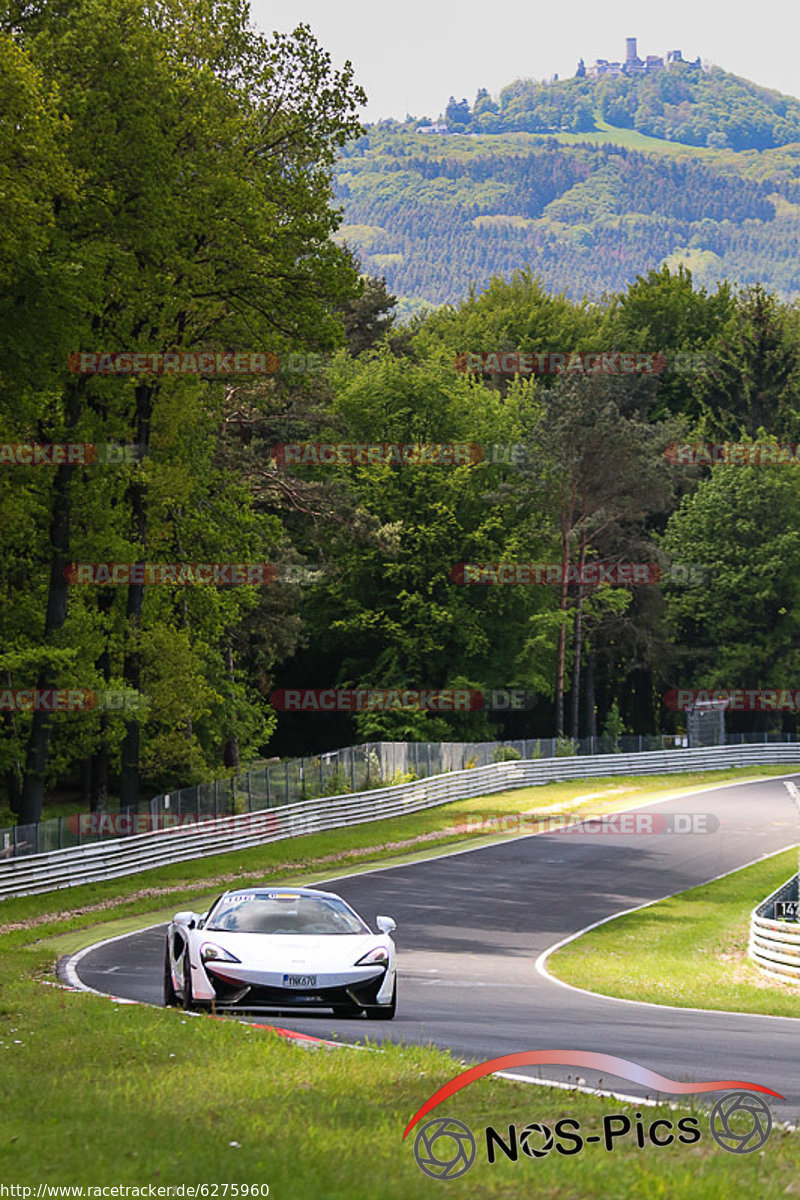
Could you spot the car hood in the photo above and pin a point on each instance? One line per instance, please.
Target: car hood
(294, 949)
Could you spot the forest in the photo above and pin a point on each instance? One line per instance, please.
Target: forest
(435, 214)
(183, 210)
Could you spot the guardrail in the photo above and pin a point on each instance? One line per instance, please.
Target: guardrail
(775, 944)
(57, 869)
(361, 768)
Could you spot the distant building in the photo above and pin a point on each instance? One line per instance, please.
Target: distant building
(436, 127)
(605, 68)
(633, 65)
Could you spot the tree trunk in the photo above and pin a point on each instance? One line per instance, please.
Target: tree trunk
(132, 663)
(32, 796)
(98, 767)
(562, 633)
(591, 703)
(230, 748)
(14, 774)
(578, 647)
(30, 808)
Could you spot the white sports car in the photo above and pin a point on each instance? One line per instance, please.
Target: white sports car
(280, 947)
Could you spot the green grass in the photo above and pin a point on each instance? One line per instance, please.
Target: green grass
(603, 134)
(95, 1093)
(321, 856)
(690, 950)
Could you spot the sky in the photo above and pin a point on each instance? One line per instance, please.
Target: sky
(411, 56)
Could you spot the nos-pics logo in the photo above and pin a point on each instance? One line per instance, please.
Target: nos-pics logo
(445, 1148)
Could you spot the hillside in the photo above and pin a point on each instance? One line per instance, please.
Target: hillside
(684, 103)
(586, 211)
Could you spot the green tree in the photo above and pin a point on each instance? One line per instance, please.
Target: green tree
(737, 626)
(754, 373)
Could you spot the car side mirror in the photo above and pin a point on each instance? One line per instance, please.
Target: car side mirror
(386, 924)
(187, 920)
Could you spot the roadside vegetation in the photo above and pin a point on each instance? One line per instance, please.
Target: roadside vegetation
(690, 950)
(474, 822)
(141, 1095)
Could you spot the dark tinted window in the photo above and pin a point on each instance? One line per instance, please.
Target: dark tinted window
(277, 913)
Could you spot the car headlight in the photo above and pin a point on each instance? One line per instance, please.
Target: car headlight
(379, 956)
(211, 953)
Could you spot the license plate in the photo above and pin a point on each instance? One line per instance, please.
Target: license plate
(299, 981)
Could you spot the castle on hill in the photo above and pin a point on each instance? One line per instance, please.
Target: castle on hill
(633, 65)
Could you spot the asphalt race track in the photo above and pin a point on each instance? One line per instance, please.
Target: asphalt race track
(472, 924)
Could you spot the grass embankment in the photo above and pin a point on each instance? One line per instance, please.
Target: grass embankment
(93, 1093)
(98, 1095)
(690, 950)
(321, 856)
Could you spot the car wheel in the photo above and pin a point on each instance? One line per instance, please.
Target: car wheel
(187, 999)
(170, 995)
(386, 1011)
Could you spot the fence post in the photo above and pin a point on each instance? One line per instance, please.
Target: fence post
(428, 747)
(216, 797)
(61, 832)
(286, 767)
(352, 770)
(249, 794)
(269, 797)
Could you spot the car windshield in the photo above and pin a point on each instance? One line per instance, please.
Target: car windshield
(276, 912)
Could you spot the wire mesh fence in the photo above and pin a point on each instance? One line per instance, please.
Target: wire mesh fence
(333, 773)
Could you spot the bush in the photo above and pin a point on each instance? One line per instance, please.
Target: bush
(614, 727)
(404, 777)
(506, 754)
(337, 785)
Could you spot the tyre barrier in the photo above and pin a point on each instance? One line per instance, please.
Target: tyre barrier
(775, 942)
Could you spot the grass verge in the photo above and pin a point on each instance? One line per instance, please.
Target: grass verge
(316, 857)
(690, 950)
(99, 1094)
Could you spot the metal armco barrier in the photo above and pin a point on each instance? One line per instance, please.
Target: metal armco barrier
(775, 945)
(126, 856)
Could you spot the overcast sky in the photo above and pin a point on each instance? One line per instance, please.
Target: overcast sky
(411, 56)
